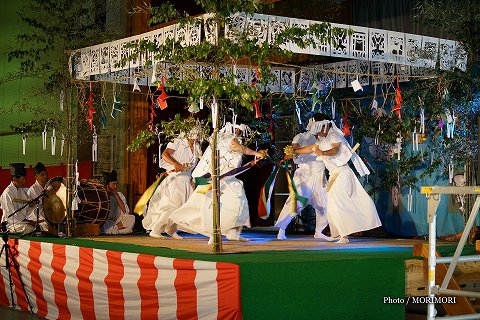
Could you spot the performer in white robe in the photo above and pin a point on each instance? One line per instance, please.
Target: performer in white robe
(178, 159)
(349, 207)
(195, 216)
(309, 179)
(12, 199)
(41, 179)
(119, 220)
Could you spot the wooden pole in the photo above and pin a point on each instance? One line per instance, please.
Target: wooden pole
(217, 233)
(69, 152)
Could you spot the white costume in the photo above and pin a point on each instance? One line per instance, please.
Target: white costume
(174, 191)
(349, 208)
(33, 192)
(16, 223)
(195, 216)
(116, 216)
(309, 179)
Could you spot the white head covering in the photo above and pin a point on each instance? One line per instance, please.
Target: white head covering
(319, 126)
(230, 128)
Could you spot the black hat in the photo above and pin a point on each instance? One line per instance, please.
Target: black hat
(39, 167)
(109, 176)
(18, 170)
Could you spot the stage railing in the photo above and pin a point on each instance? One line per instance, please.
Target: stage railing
(433, 196)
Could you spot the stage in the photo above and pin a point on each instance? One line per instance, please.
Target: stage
(140, 277)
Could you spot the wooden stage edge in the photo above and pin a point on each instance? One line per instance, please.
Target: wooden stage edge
(260, 241)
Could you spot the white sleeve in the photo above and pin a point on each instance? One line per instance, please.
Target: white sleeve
(122, 197)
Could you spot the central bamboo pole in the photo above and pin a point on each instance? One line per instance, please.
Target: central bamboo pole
(217, 233)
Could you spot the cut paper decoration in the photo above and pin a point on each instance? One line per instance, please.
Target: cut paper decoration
(24, 142)
(90, 109)
(162, 98)
(62, 145)
(136, 87)
(53, 141)
(94, 145)
(398, 101)
(44, 138)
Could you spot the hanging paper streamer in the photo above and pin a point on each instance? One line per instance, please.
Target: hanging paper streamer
(422, 121)
(94, 145)
(90, 110)
(346, 126)
(377, 135)
(62, 97)
(398, 145)
(234, 71)
(115, 105)
(62, 145)
(450, 170)
(53, 141)
(24, 142)
(214, 112)
(256, 103)
(297, 110)
(44, 138)
(136, 87)
(398, 101)
(150, 123)
(410, 200)
(154, 73)
(201, 103)
(450, 123)
(333, 106)
(432, 156)
(415, 140)
(162, 98)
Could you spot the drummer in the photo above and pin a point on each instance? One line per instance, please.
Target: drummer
(41, 178)
(119, 221)
(14, 198)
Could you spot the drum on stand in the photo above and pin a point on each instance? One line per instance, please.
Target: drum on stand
(93, 207)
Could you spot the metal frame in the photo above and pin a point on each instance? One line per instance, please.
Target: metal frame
(433, 196)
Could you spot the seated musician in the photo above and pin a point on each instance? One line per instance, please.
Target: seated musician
(119, 219)
(14, 198)
(41, 179)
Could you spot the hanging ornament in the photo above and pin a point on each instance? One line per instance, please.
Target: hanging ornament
(24, 142)
(398, 145)
(377, 135)
(398, 101)
(201, 103)
(44, 138)
(256, 103)
(154, 73)
(76, 183)
(333, 106)
(422, 121)
(346, 126)
(415, 140)
(215, 112)
(62, 97)
(90, 110)
(162, 98)
(53, 141)
(62, 145)
(234, 71)
(152, 114)
(297, 110)
(451, 169)
(136, 87)
(94, 145)
(115, 105)
(410, 200)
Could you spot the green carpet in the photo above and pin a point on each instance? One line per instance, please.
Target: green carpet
(327, 284)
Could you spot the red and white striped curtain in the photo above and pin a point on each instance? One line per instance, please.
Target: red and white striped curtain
(69, 282)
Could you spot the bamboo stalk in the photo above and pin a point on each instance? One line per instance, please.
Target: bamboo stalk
(217, 233)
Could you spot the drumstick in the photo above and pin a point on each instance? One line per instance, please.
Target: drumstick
(21, 200)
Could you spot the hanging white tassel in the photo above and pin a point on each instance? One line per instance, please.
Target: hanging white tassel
(452, 130)
(449, 124)
(94, 145)
(422, 121)
(450, 171)
(136, 87)
(201, 103)
(415, 140)
(214, 113)
(377, 135)
(62, 97)
(62, 145)
(333, 105)
(53, 141)
(399, 145)
(44, 138)
(24, 143)
(297, 110)
(154, 73)
(410, 200)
